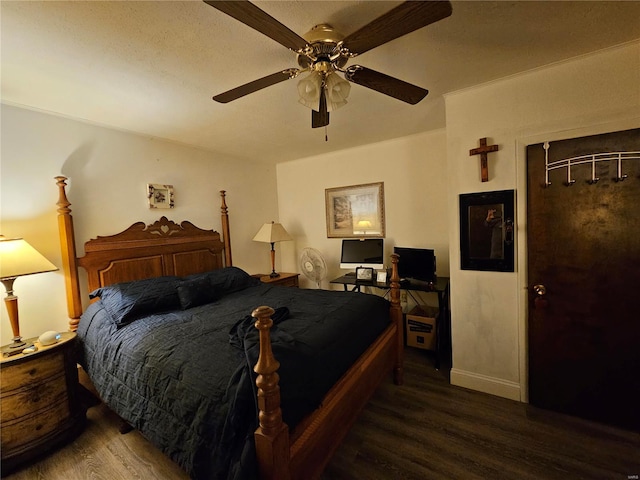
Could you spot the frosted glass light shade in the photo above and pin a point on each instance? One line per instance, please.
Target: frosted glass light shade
(309, 90)
(336, 91)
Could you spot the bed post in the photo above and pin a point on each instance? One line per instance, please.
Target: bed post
(69, 259)
(226, 239)
(396, 317)
(272, 436)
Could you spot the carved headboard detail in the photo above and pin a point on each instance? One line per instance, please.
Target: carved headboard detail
(141, 251)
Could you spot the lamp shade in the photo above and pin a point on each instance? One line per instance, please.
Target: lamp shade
(271, 233)
(18, 258)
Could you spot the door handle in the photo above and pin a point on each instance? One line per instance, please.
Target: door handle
(540, 300)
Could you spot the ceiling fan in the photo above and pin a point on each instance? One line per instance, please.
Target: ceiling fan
(323, 52)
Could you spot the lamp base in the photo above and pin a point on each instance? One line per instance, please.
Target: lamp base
(17, 343)
(274, 274)
(14, 348)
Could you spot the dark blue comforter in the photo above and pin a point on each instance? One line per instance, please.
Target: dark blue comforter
(182, 380)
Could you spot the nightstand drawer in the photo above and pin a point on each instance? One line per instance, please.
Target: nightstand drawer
(27, 429)
(30, 373)
(27, 400)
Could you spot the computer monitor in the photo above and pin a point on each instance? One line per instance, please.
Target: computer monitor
(416, 263)
(368, 252)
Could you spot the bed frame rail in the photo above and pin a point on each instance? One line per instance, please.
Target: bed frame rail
(315, 440)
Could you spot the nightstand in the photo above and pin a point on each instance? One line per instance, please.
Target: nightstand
(40, 406)
(285, 279)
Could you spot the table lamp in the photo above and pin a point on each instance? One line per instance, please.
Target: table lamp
(271, 233)
(18, 258)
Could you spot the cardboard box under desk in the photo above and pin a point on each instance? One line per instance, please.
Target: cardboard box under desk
(420, 324)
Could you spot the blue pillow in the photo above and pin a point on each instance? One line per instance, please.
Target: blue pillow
(125, 302)
(196, 291)
(227, 280)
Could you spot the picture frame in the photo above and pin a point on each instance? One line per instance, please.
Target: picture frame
(487, 231)
(355, 211)
(381, 276)
(160, 196)
(364, 274)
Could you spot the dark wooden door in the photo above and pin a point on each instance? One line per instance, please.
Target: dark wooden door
(584, 254)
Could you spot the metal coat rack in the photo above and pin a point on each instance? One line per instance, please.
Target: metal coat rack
(591, 159)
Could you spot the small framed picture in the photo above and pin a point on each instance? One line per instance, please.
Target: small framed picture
(382, 276)
(364, 274)
(160, 196)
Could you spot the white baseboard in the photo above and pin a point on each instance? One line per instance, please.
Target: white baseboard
(486, 384)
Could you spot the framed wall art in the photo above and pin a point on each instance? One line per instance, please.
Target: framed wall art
(356, 211)
(160, 196)
(487, 231)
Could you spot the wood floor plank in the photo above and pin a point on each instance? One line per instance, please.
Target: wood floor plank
(425, 429)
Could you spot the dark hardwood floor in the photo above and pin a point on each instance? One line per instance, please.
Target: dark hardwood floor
(428, 429)
(425, 429)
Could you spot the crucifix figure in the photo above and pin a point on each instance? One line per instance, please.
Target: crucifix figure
(482, 151)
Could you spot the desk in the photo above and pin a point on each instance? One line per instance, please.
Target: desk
(440, 287)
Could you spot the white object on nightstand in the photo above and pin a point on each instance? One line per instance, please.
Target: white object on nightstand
(49, 337)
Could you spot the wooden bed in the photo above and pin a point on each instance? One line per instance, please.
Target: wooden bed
(166, 248)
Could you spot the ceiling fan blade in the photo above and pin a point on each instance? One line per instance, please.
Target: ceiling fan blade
(252, 16)
(320, 118)
(403, 19)
(256, 85)
(382, 83)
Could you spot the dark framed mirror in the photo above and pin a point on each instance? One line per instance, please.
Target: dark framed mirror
(487, 231)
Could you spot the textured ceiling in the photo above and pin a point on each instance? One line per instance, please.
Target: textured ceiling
(152, 67)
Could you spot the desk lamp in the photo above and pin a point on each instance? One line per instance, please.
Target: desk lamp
(271, 233)
(18, 258)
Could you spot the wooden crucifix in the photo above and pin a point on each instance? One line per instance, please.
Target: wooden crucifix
(482, 151)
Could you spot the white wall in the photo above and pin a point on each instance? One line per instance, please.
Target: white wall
(596, 93)
(413, 170)
(108, 171)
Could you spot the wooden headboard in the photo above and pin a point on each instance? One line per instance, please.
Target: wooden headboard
(141, 251)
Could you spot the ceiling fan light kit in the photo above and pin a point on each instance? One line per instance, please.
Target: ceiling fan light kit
(323, 52)
(336, 91)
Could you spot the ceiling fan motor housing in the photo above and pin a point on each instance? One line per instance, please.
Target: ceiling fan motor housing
(324, 40)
